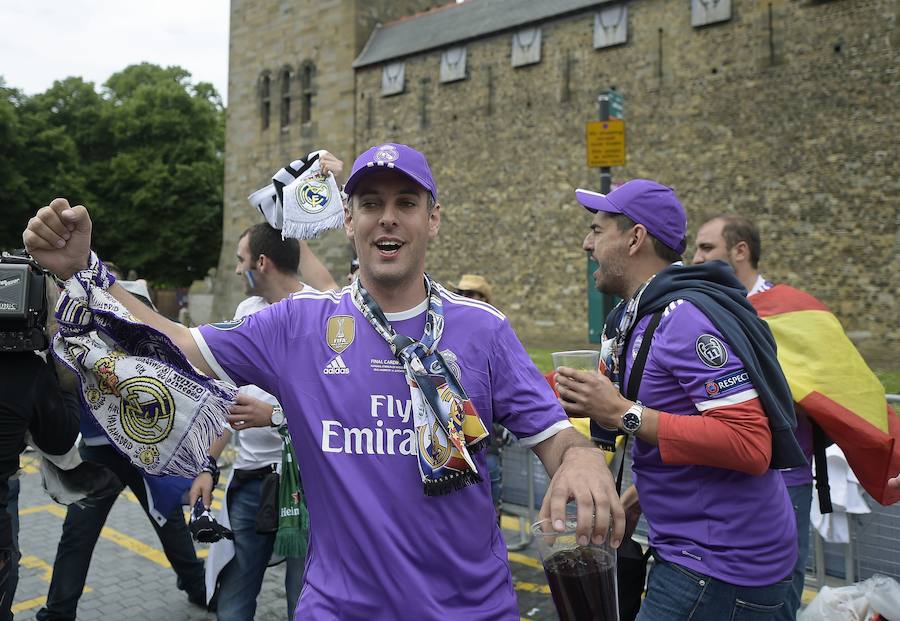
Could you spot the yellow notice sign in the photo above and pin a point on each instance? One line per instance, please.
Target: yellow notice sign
(605, 143)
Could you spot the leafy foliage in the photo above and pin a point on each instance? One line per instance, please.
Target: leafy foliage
(144, 154)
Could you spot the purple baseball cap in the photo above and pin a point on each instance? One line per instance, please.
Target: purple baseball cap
(646, 202)
(392, 155)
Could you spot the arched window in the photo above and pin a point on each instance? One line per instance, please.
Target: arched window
(307, 90)
(285, 80)
(265, 99)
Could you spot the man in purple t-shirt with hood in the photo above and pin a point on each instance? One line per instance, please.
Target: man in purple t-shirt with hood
(712, 417)
(389, 387)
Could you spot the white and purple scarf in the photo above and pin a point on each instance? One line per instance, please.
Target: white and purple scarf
(155, 408)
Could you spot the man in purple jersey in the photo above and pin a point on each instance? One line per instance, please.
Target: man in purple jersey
(388, 424)
(711, 419)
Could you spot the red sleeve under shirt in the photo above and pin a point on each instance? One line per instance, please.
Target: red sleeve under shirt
(736, 437)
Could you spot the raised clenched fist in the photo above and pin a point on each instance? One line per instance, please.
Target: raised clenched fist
(59, 237)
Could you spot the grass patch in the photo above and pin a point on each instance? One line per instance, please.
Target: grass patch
(890, 380)
(541, 358)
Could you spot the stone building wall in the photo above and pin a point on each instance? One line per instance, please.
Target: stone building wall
(269, 35)
(794, 125)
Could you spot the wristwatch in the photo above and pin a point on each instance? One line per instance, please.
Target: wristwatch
(277, 416)
(631, 419)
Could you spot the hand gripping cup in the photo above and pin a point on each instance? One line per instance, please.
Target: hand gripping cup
(582, 579)
(580, 360)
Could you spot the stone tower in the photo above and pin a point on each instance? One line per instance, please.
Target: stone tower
(291, 90)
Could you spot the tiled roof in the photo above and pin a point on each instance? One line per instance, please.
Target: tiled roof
(454, 24)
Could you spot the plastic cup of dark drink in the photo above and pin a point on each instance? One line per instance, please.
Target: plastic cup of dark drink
(582, 579)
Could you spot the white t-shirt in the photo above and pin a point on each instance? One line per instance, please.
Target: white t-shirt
(257, 446)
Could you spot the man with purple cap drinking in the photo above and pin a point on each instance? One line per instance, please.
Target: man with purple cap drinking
(711, 413)
(390, 386)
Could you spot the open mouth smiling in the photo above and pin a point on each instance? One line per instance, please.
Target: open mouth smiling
(388, 247)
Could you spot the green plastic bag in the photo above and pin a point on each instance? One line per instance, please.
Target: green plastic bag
(293, 518)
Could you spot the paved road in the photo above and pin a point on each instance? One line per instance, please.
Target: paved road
(130, 577)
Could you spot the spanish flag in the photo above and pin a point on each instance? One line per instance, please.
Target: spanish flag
(833, 385)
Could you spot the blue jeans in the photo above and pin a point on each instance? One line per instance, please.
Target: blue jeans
(675, 593)
(801, 499)
(241, 580)
(81, 530)
(495, 471)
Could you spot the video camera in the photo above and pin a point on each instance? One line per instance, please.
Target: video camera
(23, 303)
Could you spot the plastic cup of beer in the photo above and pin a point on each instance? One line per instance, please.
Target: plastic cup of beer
(580, 360)
(582, 579)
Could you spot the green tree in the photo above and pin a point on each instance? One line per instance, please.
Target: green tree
(161, 206)
(145, 154)
(13, 183)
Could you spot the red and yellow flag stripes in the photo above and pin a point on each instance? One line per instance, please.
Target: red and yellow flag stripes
(831, 382)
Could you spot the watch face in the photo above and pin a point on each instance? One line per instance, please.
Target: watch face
(277, 417)
(631, 421)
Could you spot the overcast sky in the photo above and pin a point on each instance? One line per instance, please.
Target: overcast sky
(42, 40)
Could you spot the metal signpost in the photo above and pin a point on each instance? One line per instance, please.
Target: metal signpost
(605, 148)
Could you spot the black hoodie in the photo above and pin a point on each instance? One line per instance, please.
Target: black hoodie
(715, 290)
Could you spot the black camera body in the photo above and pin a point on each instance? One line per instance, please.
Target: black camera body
(23, 304)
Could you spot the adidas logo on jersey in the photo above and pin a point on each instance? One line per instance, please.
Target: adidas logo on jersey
(336, 367)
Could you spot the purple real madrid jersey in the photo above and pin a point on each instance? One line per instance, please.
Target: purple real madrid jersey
(379, 548)
(719, 522)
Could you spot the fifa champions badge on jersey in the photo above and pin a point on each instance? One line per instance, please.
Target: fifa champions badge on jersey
(340, 332)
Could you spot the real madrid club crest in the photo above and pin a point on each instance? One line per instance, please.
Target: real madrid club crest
(340, 332)
(435, 453)
(386, 154)
(147, 410)
(313, 195)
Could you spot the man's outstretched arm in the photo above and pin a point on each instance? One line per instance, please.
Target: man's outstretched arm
(59, 238)
(579, 472)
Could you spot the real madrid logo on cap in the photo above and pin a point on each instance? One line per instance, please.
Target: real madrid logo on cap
(386, 154)
(313, 196)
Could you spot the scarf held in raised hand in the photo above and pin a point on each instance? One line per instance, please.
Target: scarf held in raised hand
(301, 202)
(447, 426)
(149, 401)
